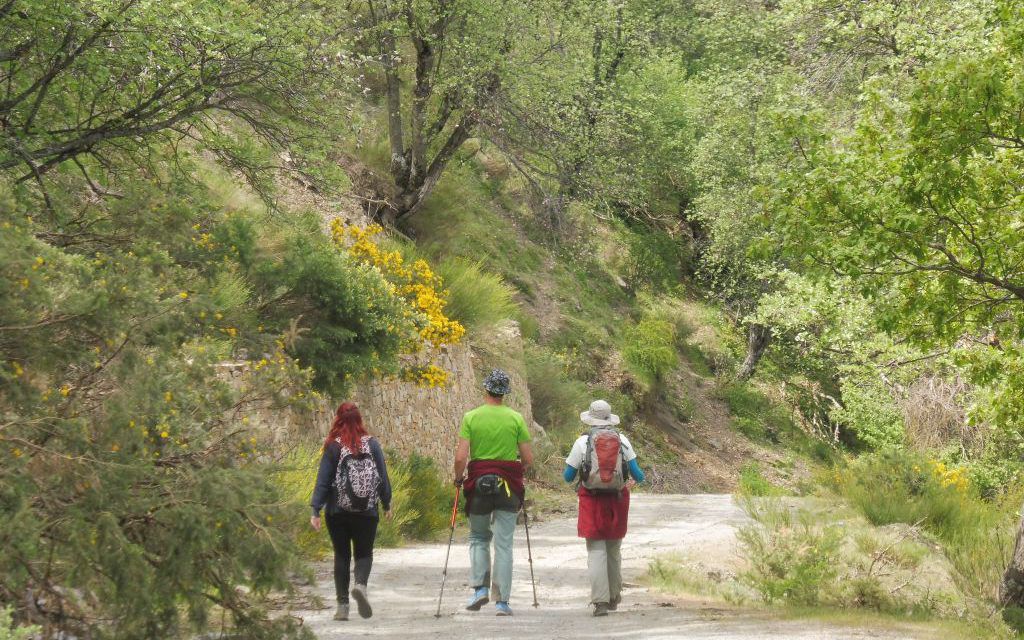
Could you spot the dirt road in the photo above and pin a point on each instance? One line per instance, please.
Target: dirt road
(404, 585)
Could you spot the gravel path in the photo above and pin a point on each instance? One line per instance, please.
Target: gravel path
(404, 585)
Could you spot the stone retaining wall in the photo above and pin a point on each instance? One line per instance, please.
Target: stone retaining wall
(408, 419)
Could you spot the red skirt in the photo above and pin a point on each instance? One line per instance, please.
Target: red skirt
(602, 516)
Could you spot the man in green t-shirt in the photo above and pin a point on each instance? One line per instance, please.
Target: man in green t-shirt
(491, 439)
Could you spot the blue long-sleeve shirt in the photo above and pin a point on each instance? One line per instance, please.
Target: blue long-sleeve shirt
(634, 470)
(325, 494)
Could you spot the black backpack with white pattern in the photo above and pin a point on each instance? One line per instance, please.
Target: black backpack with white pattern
(357, 479)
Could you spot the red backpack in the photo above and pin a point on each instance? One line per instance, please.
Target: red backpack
(604, 464)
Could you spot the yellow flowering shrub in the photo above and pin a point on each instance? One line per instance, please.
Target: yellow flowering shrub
(955, 477)
(417, 284)
(428, 376)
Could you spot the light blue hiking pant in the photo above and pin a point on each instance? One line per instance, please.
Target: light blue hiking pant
(498, 525)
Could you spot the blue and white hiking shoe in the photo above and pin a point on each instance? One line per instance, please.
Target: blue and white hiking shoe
(479, 599)
(502, 609)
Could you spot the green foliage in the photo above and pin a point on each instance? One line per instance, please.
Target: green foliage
(762, 420)
(295, 477)
(424, 503)
(869, 412)
(341, 316)
(135, 358)
(895, 486)
(793, 559)
(753, 483)
(10, 632)
(557, 399)
(649, 349)
(176, 69)
(473, 230)
(476, 297)
(917, 204)
(653, 259)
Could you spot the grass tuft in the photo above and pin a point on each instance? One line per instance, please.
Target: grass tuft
(477, 298)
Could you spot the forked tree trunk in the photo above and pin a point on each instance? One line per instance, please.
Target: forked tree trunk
(758, 337)
(1011, 589)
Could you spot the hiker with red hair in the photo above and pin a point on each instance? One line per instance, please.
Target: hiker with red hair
(604, 462)
(351, 480)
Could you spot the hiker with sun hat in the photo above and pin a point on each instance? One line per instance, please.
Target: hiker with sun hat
(495, 443)
(604, 462)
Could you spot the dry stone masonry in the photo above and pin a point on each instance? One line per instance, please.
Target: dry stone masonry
(411, 419)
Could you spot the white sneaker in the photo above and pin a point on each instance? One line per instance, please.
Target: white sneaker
(362, 603)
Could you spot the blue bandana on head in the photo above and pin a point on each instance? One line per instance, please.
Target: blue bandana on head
(497, 383)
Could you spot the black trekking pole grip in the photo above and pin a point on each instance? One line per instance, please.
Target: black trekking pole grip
(529, 553)
(451, 537)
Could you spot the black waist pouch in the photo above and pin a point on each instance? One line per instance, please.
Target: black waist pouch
(487, 485)
(491, 493)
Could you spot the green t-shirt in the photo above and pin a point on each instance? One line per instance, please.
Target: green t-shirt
(494, 432)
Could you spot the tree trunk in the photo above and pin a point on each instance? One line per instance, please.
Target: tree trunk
(417, 119)
(399, 164)
(758, 337)
(411, 200)
(1011, 589)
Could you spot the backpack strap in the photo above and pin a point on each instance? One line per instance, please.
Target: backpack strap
(584, 469)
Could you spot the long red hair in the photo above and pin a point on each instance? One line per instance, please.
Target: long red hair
(347, 426)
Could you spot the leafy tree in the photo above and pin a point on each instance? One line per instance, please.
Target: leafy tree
(919, 204)
(149, 320)
(443, 63)
(590, 124)
(90, 79)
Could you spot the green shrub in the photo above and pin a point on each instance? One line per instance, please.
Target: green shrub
(389, 532)
(420, 500)
(792, 558)
(759, 418)
(870, 413)
(428, 496)
(753, 483)
(649, 349)
(897, 486)
(756, 416)
(556, 399)
(583, 346)
(296, 477)
(476, 297)
(653, 259)
(10, 632)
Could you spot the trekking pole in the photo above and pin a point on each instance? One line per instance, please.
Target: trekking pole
(529, 554)
(451, 536)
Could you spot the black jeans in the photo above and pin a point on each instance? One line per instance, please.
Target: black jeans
(351, 533)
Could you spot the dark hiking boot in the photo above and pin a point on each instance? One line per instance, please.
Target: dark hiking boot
(359, 593)
(600, 609)
(614, 604)
(479, 599)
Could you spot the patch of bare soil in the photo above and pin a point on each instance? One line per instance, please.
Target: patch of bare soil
(709, 451)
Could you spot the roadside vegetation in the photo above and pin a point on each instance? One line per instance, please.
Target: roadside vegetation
(781, 239)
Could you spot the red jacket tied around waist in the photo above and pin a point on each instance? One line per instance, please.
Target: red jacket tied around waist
(602, 516)
(511, 470)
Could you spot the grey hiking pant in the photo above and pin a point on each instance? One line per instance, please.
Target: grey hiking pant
(604, 564)
(497, 526)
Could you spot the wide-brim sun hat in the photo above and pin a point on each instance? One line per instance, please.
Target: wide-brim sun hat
(599, 415)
